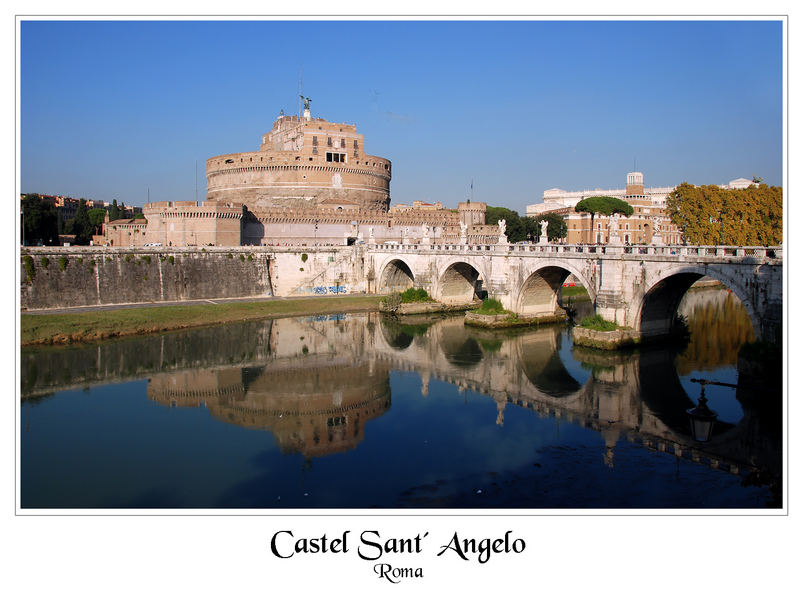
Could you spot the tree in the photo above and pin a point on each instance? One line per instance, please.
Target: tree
(709, 215)
(96, 218)
(515, 230)
(81, 226)
(114, 215)
(556, 226)
(603, 205)
(40, 221)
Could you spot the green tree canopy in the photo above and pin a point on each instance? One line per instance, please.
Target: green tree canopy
(96, 217)
(709, 215)
(40, 221)
(81, 225)
(604, 205)
(556, 226)
(114, 215)
(515, 230)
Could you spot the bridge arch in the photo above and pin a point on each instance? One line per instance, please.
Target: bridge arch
(396, 276)
(538, 292)
(460, 282)
(656, 313)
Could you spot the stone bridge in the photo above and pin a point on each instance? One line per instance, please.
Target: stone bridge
(639, 287)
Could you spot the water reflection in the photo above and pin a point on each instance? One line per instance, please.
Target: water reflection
(370, 387)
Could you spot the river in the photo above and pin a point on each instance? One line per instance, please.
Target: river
(366, 411)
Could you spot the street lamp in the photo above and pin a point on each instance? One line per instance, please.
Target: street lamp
(701, 418)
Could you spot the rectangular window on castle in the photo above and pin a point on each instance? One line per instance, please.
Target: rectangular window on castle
(331, 156)
(314, 140)
(355, 143)
(330, 143)
(343, 143)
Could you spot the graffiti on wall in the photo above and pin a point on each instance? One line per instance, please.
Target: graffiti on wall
(329, 289)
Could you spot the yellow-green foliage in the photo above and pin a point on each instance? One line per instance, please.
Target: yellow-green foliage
(748, 217)
(30, 270)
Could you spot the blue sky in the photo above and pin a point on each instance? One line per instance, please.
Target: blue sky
(110, 109)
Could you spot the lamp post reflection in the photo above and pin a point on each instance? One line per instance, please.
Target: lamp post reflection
(701, 417)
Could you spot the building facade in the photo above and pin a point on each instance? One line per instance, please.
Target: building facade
(648, 224)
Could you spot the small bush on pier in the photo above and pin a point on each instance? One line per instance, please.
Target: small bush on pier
(490, 306)
(596, 322)
(62, 263)
(415, 295)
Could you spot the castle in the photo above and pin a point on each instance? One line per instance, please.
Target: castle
(310, 183)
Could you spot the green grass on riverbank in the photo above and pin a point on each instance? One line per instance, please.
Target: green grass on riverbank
(574, 291)
(89, 326)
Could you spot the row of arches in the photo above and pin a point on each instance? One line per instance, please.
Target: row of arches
(539, 294)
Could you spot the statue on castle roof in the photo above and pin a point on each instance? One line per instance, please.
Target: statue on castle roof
(306, 102)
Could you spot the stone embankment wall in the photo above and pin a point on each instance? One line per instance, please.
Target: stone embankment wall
(79, 276)
(55, 277)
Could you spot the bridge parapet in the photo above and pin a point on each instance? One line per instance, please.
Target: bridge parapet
(723, 253)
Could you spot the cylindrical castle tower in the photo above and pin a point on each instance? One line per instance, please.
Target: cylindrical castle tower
(302, 162)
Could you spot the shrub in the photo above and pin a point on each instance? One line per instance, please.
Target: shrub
(490, 306)
(146, 259)
(230, 255)
(303, 257)
(415, 295)
(241, 257)
(30, 270)
(171, 260)
(391, 302)
(45, 262)
(250, 257)
(108, 258)
(596, 322)
(80, 260)
(62, 263)
(128, 257)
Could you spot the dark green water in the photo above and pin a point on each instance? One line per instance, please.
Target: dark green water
(360, 411)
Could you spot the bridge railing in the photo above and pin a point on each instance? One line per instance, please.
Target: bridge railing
(559, 249)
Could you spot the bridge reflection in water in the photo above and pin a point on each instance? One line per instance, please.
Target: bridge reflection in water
(320, 385)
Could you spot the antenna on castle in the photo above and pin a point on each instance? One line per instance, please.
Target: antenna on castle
(300, 99)
(195, 181)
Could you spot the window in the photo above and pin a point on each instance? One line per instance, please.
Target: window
(343, 143)
(331, 156)
(330, 142)
(355, 144)
(314, 140)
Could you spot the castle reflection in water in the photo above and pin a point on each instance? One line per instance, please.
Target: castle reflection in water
(316, 383)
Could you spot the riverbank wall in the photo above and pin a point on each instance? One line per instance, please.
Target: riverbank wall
(62, 277)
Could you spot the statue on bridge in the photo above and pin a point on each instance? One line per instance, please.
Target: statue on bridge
(426, 234)
(463, 238)
(543, 240)
(503, 239)
(656, 239)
